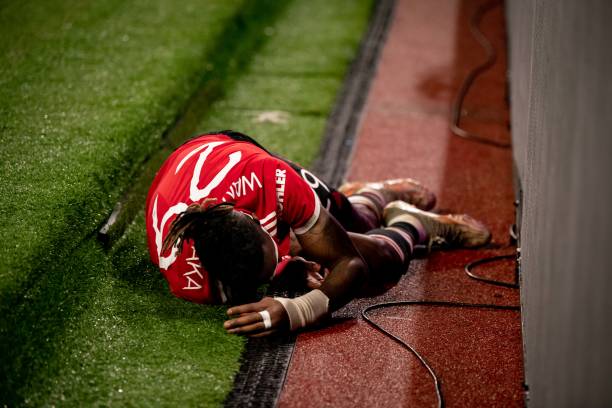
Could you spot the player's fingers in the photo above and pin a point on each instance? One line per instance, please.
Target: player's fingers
(244, 320)
(245, 309)
(249, 329)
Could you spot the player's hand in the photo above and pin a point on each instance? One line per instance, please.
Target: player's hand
(299, 273)
(247, 321)
(314, 279)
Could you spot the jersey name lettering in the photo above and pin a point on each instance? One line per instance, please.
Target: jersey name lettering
(242, 186)
(192, 282)
(280, 188)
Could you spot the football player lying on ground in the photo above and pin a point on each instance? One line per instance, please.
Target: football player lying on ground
(222, 210)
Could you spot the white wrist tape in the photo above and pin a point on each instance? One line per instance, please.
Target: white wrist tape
(306, 309)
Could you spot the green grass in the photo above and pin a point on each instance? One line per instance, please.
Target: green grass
(131, 340)
(86, 92)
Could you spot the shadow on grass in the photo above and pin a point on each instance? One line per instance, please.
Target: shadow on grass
(32, 328)
(65, 316)
(64, 278)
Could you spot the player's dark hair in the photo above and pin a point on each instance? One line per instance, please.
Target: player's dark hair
(228, 244)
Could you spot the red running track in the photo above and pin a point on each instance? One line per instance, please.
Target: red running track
(404, 132)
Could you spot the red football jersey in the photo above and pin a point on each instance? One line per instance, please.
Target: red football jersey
(217, 166)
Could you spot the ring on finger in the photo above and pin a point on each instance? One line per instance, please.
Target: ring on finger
(265, 315)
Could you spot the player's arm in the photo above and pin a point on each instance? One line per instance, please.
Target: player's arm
(327, 243)
(322, 240)
(330, 245)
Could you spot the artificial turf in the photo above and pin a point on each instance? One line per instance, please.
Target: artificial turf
(87, 92)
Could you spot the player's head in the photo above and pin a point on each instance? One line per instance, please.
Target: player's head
(231, 245)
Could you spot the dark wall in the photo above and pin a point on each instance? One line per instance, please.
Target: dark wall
(561, 101)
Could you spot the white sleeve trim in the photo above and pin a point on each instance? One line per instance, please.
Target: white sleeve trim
(312, 221)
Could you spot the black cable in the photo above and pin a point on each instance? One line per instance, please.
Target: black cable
(457, 130)
(474, 73)
(468, 270)
(421, 359)
(473, 264)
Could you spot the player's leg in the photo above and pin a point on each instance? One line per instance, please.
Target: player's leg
(388, 250)
(369, 199)
(403, 189)
(454, 230)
